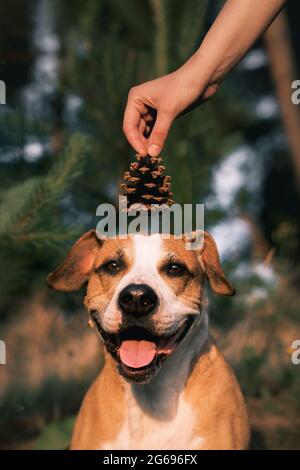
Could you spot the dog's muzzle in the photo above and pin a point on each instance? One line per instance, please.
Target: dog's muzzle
(137, 300)
(138, 351)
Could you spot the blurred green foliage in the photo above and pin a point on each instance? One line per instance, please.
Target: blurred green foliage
(108, 46)
(56, 436)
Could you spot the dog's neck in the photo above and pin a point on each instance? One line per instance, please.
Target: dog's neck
(160, 397)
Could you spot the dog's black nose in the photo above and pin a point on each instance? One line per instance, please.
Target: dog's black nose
(137, 299)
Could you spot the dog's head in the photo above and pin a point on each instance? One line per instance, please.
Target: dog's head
(143, 293)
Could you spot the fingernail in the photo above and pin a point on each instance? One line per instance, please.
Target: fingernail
(154, 150)
(143, 151)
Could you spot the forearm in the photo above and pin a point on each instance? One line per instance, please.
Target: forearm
(236, 28)
(234, 31)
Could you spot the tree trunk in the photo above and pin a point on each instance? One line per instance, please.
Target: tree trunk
(283, 70)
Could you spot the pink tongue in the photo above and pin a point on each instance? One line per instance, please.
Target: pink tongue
(137, 353)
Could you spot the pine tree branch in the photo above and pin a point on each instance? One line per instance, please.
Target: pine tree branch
(28, 203)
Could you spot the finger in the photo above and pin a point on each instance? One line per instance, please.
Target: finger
(142, 127)
(147, 131)
(150, 121)
(148, 117)
(131, 122)
(159, 133)
(144, 130)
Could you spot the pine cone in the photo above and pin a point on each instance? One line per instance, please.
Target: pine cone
(146, 184)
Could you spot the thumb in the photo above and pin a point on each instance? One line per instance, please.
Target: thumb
(159, 133)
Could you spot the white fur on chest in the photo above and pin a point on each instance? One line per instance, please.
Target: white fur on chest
(140, 431)
(157, 415)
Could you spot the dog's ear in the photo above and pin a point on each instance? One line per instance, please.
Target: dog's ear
(209, 259)
(78, 264)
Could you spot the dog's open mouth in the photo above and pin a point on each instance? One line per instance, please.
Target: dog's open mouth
(138, 352)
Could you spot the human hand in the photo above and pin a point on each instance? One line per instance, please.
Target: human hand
(152, 107)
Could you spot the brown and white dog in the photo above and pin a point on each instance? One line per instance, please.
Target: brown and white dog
(164, 384)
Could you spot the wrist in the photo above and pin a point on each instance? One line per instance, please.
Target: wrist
(199, 74)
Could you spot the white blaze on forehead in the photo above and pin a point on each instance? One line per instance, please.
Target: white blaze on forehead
(147, 254)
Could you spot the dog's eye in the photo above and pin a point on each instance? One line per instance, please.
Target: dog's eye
(111, 267)
(175, 269)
